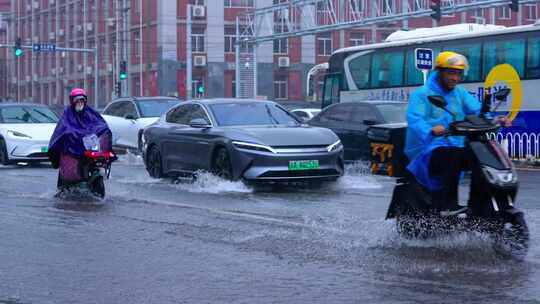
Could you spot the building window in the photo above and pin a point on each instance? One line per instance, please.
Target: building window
(358, 6)
(478, 13)
(197, 40)
(281, 46)
(504, 13)
(531, 12)
(238, 3)
(357, 39)
(230, 39)
(324, 44)
(135, 47)
(281, 87)
(196, 2)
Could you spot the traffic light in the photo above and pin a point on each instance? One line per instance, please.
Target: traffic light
(118, 88)
(123, 70)
(18, 48)
(436, 8)
(514, 5)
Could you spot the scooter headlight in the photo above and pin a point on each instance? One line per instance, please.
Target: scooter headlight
(500, 177)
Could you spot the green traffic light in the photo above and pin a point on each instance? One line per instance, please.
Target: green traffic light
(201, 89)
(18, 52)
(123, 76)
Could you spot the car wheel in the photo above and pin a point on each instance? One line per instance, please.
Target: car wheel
(154, 164)
(222, 164)
(4, 159)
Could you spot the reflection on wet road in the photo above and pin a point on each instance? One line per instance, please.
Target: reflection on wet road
(213, 241)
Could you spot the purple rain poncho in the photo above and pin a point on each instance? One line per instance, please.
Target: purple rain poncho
(70, 130)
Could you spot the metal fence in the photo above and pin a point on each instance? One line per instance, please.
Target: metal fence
(519, 146)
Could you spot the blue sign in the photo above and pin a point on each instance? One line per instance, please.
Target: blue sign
(423, 59)
(44, 47)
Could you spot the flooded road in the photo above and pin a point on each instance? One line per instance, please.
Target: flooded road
(213, 241)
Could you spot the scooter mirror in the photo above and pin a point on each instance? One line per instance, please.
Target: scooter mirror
(502, 94)
(438, 101)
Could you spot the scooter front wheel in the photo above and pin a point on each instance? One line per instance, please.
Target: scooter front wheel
(97, 186)
(512, 238)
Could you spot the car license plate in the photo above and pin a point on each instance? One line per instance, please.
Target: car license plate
(44, 149)
(295, 165)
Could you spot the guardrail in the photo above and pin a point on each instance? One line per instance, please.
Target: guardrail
(519, 146)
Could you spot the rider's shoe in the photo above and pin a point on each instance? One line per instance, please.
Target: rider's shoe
(460, 211)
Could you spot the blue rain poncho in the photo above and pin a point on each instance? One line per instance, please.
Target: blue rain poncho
(422, 116)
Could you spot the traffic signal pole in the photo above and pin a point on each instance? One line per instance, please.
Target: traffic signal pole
(77, 50)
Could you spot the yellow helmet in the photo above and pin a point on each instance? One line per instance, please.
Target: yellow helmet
(451, 60)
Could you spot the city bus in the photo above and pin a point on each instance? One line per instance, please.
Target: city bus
(498, 57)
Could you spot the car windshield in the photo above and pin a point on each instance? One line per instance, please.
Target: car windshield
(27, 114)
(155, 107)
(393, 112)
(251, 113)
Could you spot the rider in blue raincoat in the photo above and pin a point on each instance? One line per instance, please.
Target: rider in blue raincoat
(437, 160)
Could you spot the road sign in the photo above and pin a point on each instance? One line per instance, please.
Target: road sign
(424, 59)
(44, 47)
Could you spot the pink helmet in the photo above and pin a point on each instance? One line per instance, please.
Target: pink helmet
(76, 92)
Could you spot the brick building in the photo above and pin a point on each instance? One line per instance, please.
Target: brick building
(154, 46)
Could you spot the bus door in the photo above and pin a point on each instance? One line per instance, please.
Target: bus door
(331, 89)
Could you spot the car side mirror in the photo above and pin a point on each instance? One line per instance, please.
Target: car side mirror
(129, 117)
(199, 123)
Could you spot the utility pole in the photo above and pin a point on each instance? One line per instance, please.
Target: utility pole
(189, 94)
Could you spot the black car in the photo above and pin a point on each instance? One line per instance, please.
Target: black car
(251, 140)
(351, 121)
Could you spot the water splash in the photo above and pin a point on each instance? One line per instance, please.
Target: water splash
(208, 183)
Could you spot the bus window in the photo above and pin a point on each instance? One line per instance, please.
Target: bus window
(472, 52)
(412, 75)
(359, 68)
(533, 58)
(505, 51)
(387, 70)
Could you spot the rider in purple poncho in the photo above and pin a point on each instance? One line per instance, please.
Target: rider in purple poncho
(78, 121)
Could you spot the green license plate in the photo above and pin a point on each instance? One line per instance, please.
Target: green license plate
(44, 149)
(295, 165)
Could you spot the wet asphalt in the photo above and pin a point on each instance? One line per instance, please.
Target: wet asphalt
(213, 241)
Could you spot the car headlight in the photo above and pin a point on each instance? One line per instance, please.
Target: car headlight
(254, 147)
(335, 146)
(499, 177)
(18, 134)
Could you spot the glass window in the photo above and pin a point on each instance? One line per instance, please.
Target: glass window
(324, 44)
(230, 39)
(337, 113)
(238, 3)
(281, 87)
(412, 75)
(359, 68)
(179, 115)
(393, 112)
(472, 52)
(155, 108)
(387, 69)
(251, 113)
(130, 110)
(504, 51)
(357, 39)
(361, 113)
(197, 112)
(115, 109)
(533, 58)
(27, 115)
(197, 40)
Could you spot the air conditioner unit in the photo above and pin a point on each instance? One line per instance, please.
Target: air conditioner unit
(284, 62)
(89, 26)
(36, 4)
(109, 67)
(61, 70)
(53, 71)
(35, 77)
(79, 28)
(28, 78)
(111, 21)
(88, 70)
(28, 8)
(79, 67)
(198, 11)
(51, 2)
(61, 32)
(51, 36)
(199, 61)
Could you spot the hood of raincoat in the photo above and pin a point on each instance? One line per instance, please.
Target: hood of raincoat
(422, 116)
(73, 126)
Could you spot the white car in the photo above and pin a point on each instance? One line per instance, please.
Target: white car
(305, 114)
(25, 131)
(128, 116)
